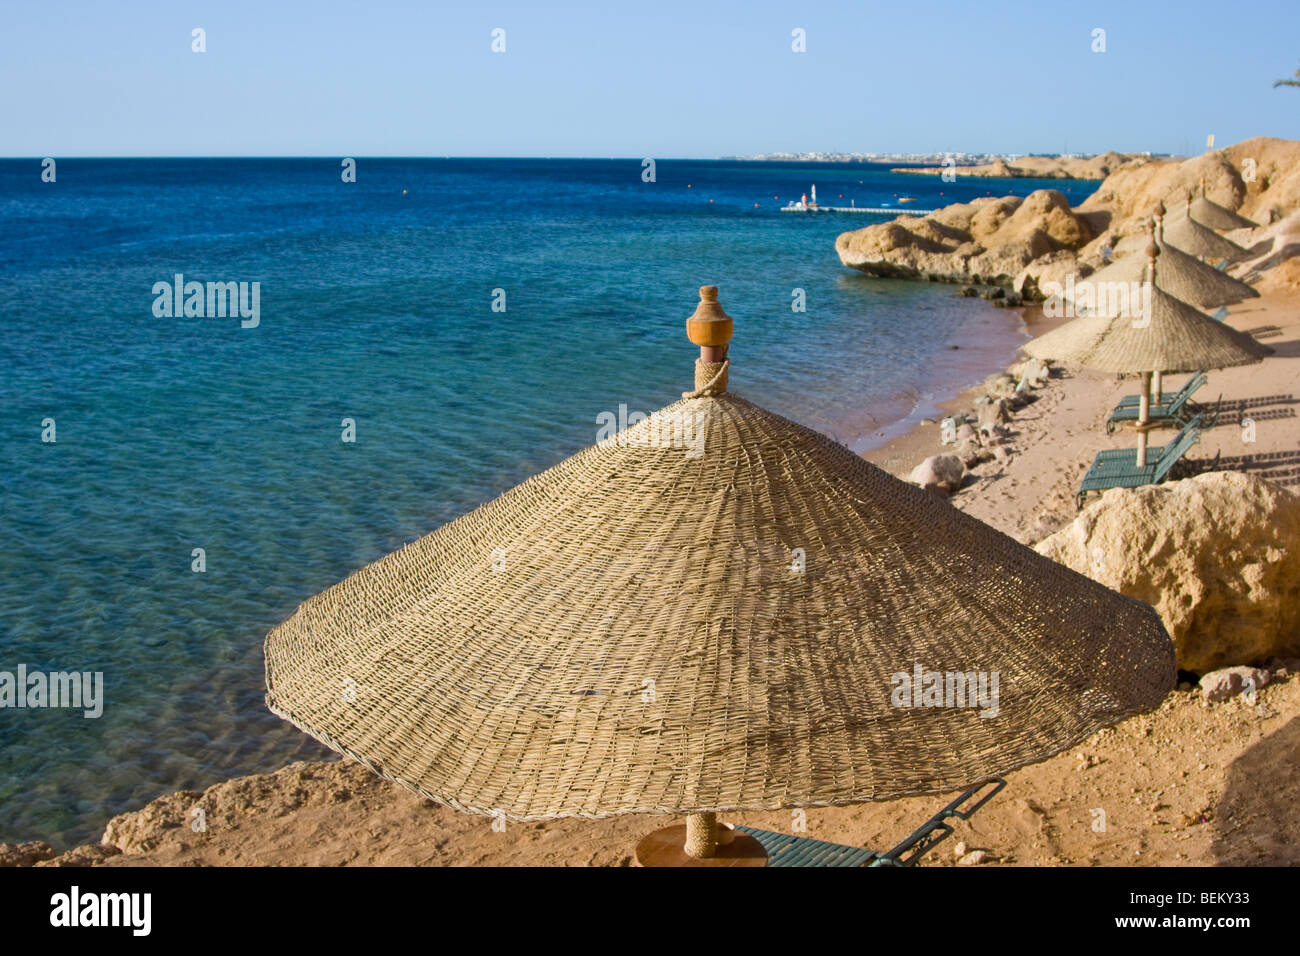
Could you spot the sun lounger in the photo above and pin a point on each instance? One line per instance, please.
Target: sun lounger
(1166, 398)
(786, 850)
(1174, 408)
(1118, 468)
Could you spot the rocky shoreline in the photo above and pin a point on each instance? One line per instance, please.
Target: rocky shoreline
(1022, 244)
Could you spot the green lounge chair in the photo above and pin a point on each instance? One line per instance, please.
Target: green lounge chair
(786, 850)
(1166, 398)
(1175, 408)
(1118, 468)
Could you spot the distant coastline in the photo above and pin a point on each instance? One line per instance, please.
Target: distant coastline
(1018, 165)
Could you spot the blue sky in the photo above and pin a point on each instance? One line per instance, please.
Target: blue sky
(655, 78)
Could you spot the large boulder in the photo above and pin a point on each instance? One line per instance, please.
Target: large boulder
(1215, 555)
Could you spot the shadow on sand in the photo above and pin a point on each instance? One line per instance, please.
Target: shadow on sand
(1279, 467)
(1258, 820)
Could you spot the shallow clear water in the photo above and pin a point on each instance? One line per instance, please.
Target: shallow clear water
(183, 433)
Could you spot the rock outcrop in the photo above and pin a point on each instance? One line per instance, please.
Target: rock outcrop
(988, 239)
(26, 854)
(1215, 555)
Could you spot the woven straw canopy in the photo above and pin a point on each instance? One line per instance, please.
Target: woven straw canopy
(709, 611)
(1182, 276)
(1209, 213)
(1177, 338)
(1191, 237)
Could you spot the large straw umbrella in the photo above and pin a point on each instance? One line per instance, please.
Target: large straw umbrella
(712, 611)
(1190, 236)
(1209, 213)
(1161, 334)
(1182, 276)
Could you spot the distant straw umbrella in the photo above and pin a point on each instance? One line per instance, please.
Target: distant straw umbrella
(1184, 232)
(713, 610)
(1160, 334)
(1182, 276)
(1211, 214)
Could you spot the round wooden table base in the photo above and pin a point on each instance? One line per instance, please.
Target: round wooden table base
(667, 847)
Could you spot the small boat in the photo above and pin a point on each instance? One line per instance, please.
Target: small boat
(907, 199)
(805, 204)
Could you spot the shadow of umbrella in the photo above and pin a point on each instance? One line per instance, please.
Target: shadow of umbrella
(1258, 820)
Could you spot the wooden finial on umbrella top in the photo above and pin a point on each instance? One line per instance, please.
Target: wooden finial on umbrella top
(710, 328)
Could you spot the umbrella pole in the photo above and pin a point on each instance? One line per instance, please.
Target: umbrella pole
(702, 835)
(701, 841)
(1144, 416)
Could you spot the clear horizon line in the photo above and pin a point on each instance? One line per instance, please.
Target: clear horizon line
(635, 159)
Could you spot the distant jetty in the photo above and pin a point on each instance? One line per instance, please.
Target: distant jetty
(804, 204)
(879, 210)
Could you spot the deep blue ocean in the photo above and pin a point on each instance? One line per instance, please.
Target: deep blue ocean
(177, 433)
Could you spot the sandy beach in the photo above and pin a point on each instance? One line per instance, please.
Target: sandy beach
(1057, 436)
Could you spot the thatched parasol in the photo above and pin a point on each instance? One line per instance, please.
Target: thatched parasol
(1184, 232)
(713, 610)
(1161, 334)
(1182, 276)
(1209, 213)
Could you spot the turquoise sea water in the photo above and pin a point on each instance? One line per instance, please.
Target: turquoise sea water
(375, 305)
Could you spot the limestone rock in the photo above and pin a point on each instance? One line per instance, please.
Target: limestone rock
(25, 854)
(1215, 555)
(1033, 373)
(1228, 682)
(990, 239)
(941, 473)
(87, 855)
(1033, 281)
(992, 413)
(970, 452)
(1000, 385)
